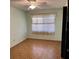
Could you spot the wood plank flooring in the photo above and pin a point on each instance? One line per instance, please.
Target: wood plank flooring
(36, 49)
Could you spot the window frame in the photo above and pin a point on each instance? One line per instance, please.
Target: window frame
(45, 33)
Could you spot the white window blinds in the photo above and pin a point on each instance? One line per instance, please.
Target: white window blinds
(43, 23)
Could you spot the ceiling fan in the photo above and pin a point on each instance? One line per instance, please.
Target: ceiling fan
(32, 4)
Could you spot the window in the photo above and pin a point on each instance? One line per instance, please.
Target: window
(43, 24)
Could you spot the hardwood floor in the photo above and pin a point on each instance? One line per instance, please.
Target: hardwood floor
(36, 49)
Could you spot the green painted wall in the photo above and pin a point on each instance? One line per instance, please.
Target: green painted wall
(58, 24)
(18, 25)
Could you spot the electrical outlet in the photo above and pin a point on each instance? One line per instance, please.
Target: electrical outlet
(13, 40)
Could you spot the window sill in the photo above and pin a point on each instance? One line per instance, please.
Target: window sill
(43, 33)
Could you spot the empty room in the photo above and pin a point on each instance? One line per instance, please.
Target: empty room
(37, 29)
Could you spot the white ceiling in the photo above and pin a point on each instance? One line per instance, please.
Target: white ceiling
(43, 4)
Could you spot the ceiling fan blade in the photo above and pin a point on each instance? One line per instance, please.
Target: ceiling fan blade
(16, 0)
(31, 0)
(41, 3)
